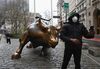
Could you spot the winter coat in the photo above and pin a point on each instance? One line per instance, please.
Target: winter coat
(74, 30)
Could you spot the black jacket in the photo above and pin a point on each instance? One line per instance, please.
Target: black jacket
(74, 30)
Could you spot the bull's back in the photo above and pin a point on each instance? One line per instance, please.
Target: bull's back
(40, 38)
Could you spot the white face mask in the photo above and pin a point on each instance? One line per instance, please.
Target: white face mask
(74, 19)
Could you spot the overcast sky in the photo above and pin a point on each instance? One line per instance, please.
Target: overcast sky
(42, 5)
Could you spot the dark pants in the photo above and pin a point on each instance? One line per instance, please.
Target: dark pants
(8, 40)
(69, 51)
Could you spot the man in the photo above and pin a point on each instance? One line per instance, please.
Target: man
(71, 33)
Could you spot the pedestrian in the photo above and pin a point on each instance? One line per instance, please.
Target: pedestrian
(8, 40)
(72, 33)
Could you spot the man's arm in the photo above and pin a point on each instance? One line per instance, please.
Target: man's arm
(87, 34)
(63, 35)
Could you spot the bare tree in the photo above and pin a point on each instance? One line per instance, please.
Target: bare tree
(2, 15)
(17, 15)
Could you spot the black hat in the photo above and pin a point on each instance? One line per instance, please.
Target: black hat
(72, 15)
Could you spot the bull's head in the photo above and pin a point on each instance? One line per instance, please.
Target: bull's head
(53, 36)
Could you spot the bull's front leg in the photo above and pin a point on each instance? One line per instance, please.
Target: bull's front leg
(18, 52)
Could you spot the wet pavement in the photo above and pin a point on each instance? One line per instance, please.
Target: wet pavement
(31, 59)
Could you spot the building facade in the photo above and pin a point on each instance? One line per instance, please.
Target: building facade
(60, 11)
(81, 9)
(88, 9)
(93, 14)
(72, 5)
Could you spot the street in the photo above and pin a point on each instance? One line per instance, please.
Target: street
(30, 58)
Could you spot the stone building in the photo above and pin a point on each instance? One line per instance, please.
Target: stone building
(93, 14)
(88, 9)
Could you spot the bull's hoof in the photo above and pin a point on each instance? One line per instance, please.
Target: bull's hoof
(15, 56)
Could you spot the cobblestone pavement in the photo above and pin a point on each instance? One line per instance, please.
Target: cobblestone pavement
(31, 60)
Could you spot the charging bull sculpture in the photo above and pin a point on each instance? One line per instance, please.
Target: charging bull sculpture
(38, 35)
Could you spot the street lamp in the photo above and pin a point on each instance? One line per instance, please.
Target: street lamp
(34, 10)
(34, 7)
(51, 14)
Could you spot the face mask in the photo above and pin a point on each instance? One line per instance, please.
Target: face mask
(74, 19)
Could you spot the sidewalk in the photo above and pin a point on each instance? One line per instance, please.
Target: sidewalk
(93, 45)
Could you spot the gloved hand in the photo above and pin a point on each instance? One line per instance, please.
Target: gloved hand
(76, 41)
(91, 30)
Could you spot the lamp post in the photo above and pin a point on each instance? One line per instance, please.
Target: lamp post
(34, 7)
(51, 14)
(34, 10)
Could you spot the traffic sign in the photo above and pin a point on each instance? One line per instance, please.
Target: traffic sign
(66, 6)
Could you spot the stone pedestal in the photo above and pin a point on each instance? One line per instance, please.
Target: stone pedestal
(95, 51)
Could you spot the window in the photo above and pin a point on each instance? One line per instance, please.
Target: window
(80, 7)
(89, 2)
(83, 15)
(89, 14)
(89, 23)
(83, 5)
(77, 8)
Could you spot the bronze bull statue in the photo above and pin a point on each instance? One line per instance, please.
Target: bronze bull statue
(38, 35)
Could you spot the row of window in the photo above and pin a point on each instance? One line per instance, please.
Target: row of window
(81, 7)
